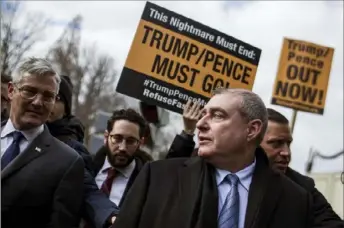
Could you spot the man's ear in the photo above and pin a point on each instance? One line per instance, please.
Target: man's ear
(106, 136)
(254, 128)
(10, 90)
(142, 141)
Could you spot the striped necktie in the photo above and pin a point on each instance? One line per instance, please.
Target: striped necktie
(229, 216)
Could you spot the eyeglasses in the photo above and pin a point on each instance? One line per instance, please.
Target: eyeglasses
(118, 139)
(30, 93)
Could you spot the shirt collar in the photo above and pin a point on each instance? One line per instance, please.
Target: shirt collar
(244, 175)
(29, 135)
(126, 171)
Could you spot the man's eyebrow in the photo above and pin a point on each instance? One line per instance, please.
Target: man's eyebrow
(213, 109)
(280, 138)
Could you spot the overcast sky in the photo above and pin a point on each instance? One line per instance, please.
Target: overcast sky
(112, 25)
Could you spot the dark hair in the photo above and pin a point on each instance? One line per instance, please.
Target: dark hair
(130, 115)
(5, 78)
(277, 117)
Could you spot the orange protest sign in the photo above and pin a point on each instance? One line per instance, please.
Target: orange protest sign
(303, 75)
(173, 59)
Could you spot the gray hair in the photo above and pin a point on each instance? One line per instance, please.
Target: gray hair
(35, 66)
(251, 108)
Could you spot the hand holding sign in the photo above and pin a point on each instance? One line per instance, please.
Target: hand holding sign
(191, 115)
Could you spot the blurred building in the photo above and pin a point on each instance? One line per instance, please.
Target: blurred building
(331, 185)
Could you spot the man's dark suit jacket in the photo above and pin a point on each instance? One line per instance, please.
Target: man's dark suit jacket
(324, 216)
(182, 192)
(43, 186)
(183, 146)
(96, 207)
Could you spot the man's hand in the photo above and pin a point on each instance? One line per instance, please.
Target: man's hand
(191, 115)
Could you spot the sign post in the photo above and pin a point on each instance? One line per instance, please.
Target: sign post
(174, 59)
(293, 120)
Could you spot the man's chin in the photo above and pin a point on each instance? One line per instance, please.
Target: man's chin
(204, 152)
(281, 167)
(29, 123)
(50, 120)
(120, 162)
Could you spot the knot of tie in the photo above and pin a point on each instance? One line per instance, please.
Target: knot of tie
(111, 172)
(233, 179)
(17, 136)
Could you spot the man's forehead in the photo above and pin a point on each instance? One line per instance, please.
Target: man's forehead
(224, 101)
(278, 130)
(45, 83)
(125, 127)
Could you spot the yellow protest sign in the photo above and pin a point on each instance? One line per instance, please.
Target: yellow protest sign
(173, 58)
(302, 77)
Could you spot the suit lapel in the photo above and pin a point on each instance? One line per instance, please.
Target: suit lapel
(99, 159)
(198, 201)
(209, 200)
(131, 180)
(36, 148)
(263, 194)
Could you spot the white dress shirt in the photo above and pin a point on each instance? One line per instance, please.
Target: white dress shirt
(7, 138)
(120, 182)
(245, 178)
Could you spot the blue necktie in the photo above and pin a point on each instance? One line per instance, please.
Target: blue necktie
(229, 216)
(13, 150)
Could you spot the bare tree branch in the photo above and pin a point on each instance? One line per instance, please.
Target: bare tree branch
(19, 38)
(91, 73)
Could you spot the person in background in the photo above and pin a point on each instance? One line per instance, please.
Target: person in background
(41, 177)
(4, 96)
(276, 144)
(97, 209)
(118, 163)
(229, 184)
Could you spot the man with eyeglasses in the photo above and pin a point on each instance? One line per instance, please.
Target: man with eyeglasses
(41, 177)
(119, 165)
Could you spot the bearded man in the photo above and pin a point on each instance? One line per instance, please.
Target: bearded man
(118, 162)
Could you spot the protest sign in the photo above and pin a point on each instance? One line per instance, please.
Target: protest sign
(302, 76)
(173, 59)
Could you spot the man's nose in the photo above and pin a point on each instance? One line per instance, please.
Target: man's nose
(38, 100)
(202, 124)
(285, 152)
(123, 145)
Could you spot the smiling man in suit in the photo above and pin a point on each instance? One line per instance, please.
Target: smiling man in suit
(229, 185)
(41, 177)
